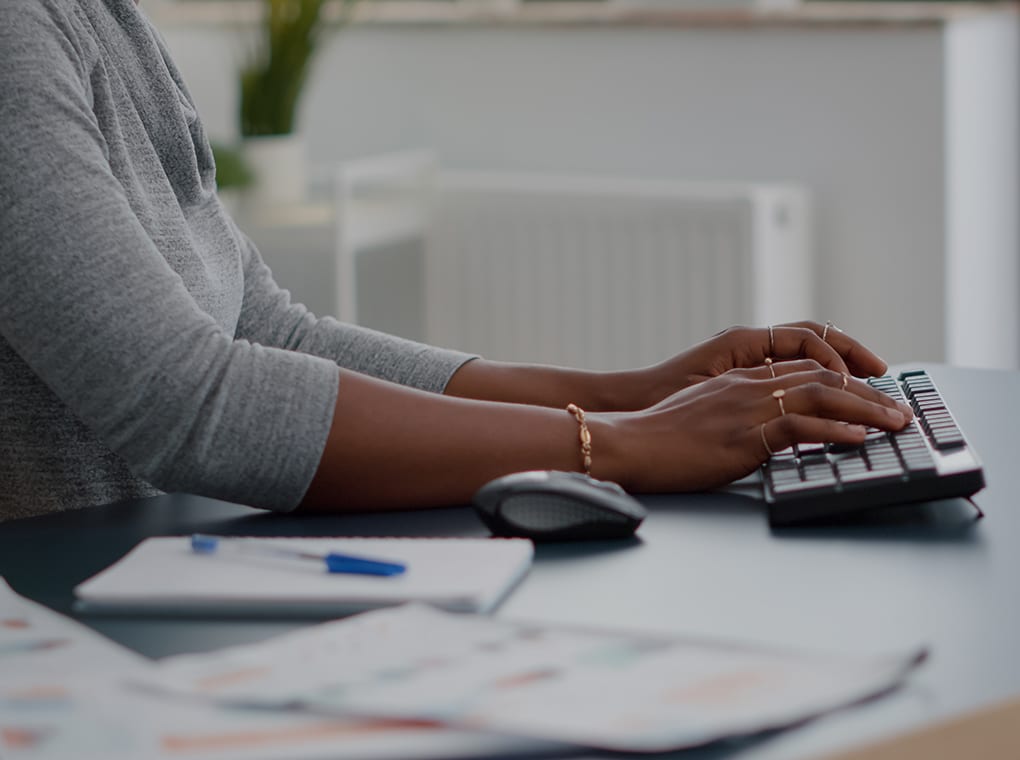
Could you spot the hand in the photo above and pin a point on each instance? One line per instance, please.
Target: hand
(745, 347)
(711, 432)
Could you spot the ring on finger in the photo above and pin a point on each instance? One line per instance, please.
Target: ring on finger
(768, 363)
(778, 396)
(765, 441)
(825, 330)
(772, 342)
(846, 379)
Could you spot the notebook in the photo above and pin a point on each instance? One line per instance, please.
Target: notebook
(164, 576)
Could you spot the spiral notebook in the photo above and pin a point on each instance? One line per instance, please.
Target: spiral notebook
(163, 576)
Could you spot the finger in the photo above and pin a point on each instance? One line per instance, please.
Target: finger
(791, 374)
(773, 369)
(812, 373)
(783, 432)
(860, 403)
(861, 360)
(798, 342)
(801, 366)
(866, 391)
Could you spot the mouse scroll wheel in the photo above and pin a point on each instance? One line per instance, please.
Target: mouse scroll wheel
(537, 512)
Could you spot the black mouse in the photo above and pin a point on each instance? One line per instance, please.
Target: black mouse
(549, 505)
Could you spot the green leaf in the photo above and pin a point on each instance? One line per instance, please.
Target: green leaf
(273, 79)
(231, 168)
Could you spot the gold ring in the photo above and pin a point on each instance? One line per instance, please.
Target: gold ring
(768, 363)
(778, 396)
(765, 441)
(772, 342)
(846, 379)
(825, 330)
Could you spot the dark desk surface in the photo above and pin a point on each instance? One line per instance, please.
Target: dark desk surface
(704, 564)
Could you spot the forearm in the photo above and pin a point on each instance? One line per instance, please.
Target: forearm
(392, 447)
(638, 389)
(552, 386)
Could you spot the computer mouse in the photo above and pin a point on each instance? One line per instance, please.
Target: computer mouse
(549, 505)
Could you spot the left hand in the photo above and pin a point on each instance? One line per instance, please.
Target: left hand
(746, 347)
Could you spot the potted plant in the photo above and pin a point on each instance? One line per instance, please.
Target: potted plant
(233, 175)
(271, 83)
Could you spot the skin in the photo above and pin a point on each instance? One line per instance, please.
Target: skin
(692, 422)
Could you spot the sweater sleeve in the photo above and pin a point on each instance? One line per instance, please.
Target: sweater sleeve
(269, 317)
(93, 308)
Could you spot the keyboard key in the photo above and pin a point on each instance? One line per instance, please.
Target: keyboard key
(948, 441)
(802, 487)
(819, 472)
(889, 387)
(872, 478)
(840, 448)
(852, 469)
(919, 464)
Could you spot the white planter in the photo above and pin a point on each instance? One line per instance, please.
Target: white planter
(278, 163)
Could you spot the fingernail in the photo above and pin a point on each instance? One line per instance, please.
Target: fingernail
(908, 412)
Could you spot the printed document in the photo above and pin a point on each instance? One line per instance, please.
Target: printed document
(605, 689)
(65, 693)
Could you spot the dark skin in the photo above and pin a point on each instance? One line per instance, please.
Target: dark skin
(692, 422)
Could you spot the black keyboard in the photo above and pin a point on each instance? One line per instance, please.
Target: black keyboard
(928, 460)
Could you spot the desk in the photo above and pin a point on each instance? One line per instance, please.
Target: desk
(705, 564)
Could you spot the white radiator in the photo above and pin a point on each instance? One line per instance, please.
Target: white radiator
(591, 272)
(608, 274)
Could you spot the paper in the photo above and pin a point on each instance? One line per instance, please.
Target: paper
(38, 643)
(604, 689)
(100, 720)
(163, 575)
(65, 692)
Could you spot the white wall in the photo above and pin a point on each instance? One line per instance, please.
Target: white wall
(857, 113)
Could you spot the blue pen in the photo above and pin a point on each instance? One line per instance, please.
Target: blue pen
(335, 562)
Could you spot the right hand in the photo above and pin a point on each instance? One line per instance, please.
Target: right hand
(710, 433)
(746, 347)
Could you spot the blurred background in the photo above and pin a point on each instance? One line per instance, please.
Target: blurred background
(604, 183)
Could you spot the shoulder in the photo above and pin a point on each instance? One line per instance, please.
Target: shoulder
(39, 18)
(49, 31)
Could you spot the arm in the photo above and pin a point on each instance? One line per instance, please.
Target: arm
(90, 304)
(268, 317)
(397, 448)
(737, 347)
(692, 422)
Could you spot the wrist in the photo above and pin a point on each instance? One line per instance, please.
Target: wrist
(609, 449)
(629, 390)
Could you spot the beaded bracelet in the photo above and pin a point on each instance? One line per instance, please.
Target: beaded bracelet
(584, 435)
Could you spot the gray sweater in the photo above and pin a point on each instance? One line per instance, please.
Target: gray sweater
(144, 345)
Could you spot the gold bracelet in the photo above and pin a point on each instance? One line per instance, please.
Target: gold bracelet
(584, 435)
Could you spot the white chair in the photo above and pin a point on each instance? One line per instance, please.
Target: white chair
(380, 201)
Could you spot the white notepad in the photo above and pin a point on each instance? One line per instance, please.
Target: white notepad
(164, 576)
